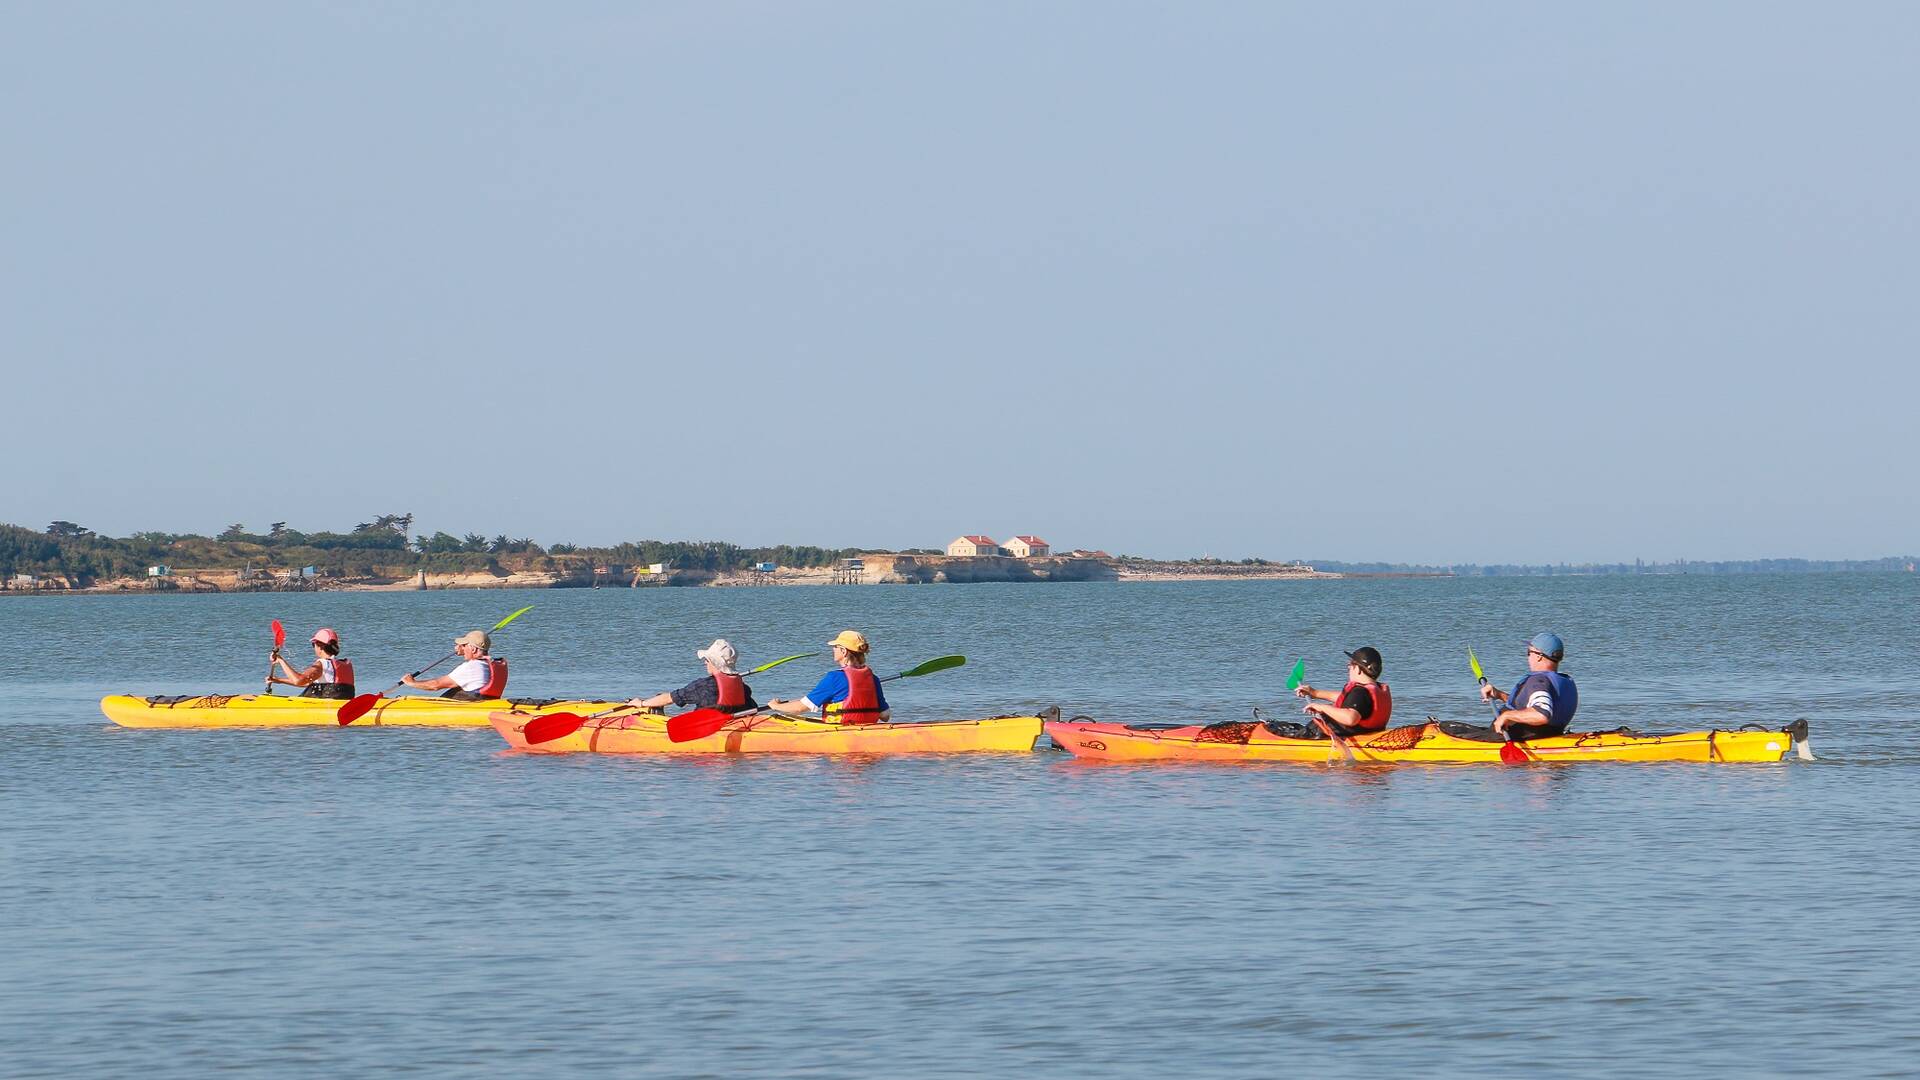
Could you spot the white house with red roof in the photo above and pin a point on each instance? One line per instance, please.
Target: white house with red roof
(974, 545)
(1026, 547)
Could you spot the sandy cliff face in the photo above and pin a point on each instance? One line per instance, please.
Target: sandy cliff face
(959, 569)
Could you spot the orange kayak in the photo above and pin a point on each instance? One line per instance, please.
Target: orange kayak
(1417, 744)
(646, 733)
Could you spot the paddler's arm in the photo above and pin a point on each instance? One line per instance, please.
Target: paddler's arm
(1306, 691)
(442, 682)
(657, 701)
(294, 678)
(1523, 717)
(1344, 717)
(796, 707)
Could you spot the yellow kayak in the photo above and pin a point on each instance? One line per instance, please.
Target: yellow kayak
(646, 733)
(1416, 744)
(272, 710)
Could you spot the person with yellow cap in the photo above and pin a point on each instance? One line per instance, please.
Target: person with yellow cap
(479, 676)
(849, 694)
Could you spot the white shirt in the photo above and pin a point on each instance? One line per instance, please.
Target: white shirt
(471, 676)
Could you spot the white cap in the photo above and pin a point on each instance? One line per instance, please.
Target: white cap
(721, 655)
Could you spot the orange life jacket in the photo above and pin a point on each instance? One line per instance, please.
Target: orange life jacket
(1382, 704)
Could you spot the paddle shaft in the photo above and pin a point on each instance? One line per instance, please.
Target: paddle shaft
(419, 673)
(1512, 752)
(279, 639)
(1340, 743)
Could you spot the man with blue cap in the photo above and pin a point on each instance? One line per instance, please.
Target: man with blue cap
(1542, 703)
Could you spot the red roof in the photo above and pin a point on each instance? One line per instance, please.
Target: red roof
(987, 540)
(1033, 540)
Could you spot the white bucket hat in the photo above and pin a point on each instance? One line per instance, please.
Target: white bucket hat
(721, 655)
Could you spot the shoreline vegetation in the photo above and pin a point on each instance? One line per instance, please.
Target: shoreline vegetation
(383, 555)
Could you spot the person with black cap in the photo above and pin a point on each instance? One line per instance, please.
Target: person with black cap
(1361, 707)
(1544, 701)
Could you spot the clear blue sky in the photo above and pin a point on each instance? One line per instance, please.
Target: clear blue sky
(1436, 283)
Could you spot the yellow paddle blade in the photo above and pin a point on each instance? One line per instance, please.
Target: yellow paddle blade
(511, 617)
(1474, 662)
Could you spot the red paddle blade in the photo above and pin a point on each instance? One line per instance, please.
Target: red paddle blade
(357, 708)
(550, 726)
(279, 635)
(1511, 753)
(697, 724)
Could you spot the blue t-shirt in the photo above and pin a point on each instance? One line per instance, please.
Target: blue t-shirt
(832, 687)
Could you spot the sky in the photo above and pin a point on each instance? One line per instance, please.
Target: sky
(1432, 283)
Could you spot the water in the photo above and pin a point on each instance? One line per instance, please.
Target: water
(327, 902)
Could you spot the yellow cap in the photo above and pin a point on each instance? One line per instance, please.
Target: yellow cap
(850, 640)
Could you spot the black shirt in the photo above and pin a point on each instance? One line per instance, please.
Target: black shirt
(1359, 700)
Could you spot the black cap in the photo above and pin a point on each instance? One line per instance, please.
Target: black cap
(1368, 658)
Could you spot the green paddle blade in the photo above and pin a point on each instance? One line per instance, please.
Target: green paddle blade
(511, 617)
(1474, 662)
(785, 659)
(938, 663)
(1299, 674)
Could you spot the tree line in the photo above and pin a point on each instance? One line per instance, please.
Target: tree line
(380, 547)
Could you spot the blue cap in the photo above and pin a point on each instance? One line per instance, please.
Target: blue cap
(1549, 645)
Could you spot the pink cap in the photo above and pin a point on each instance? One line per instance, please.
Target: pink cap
(327, 636)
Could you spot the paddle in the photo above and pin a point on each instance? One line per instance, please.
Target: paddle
(1510, 752)
(360, 706)
(701, 723)
(279, 639)
(550, 726)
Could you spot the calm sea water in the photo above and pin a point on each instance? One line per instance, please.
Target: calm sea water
(390, 901)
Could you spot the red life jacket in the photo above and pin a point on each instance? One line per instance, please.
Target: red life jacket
(862, 705)
(333, 669)
(334, 681)
(1382, 704)
(496, 678)
(733, 691)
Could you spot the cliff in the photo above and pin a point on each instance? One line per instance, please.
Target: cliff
(958, 569)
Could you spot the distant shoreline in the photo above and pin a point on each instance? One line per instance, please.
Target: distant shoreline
(872, 569)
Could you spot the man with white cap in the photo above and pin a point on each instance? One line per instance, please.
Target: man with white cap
(720, 688)
(849, 694)
(480, 676)
(1544, 701)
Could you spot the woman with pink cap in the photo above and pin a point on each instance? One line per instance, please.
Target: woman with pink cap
(328, 676)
